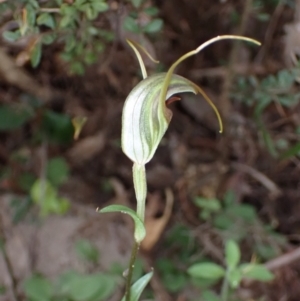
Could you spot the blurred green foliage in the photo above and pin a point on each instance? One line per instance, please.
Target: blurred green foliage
(279, 89)
(74, 25)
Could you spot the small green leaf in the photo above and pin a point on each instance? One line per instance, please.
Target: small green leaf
(38, 289)
(232, 254)
(151, 11)
(266, 251)
(140, 231)
(46, 19)
(86, 250)
(207, 270)
(30, 15)
(243, 211)
(45, 195)
(174, 282)
(11, 36)
(48, 38)
(26, 180)
(66, 21)
(94, 287)
(100, 6)
(256, 272)
(57, 127)
(153, 26)
(223, 221)
(234, 278)
(210, 204)
(36, 54)
(57, 170)
(293, 151)
(131, 25)
(136, 3)
(138, 287)
(210, 296)
(13, 117)
(20, 208)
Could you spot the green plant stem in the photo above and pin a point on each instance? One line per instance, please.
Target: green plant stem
(134, 252)
(140, 187)
(225, 287)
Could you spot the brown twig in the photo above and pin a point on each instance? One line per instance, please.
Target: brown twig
(270, 32)
(225, 105)
(283, 260)
(17, 77)
(258, 176)
(13, 281)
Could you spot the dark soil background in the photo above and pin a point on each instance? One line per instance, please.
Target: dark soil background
(193, 158)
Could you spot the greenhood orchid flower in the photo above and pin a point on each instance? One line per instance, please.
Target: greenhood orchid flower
(146, 117)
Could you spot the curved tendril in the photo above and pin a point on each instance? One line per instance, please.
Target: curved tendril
(205, 96)
(135, 47)
(167, 79)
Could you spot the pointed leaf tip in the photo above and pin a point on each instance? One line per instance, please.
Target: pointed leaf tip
(138, 287)
(139, 231)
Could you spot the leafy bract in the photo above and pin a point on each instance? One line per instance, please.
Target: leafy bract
(138, 287)
(139, 231)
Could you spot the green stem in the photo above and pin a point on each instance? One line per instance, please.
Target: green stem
(140, 187)
(134, 252)
(225, 287)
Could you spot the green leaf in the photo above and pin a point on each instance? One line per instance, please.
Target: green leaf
(26, 180)
(223, 221)
(30, 15)
(11, 36)
(94, 287)
(140, 231)
(86, 250)
(256, 272)
(57, 170)
(66, 21)
(130, 24)
(20, 208)
(207, 270)
(91, 14)
(36, 54)
(232, 254)
(153, 26)
(45, 195)
(38, 289)
(174, 282)
(151, 11)
(34, 4)
(210, 296)
(138, 287)
(243, 211)
(79, 3)
(41, 190)
(13, 117)
(293, 151)
(100, 6)
(234, 278)
(136, 3)
(48, 38)
(57, 127)
(46, 19)
(210, 204)
(266, 251)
